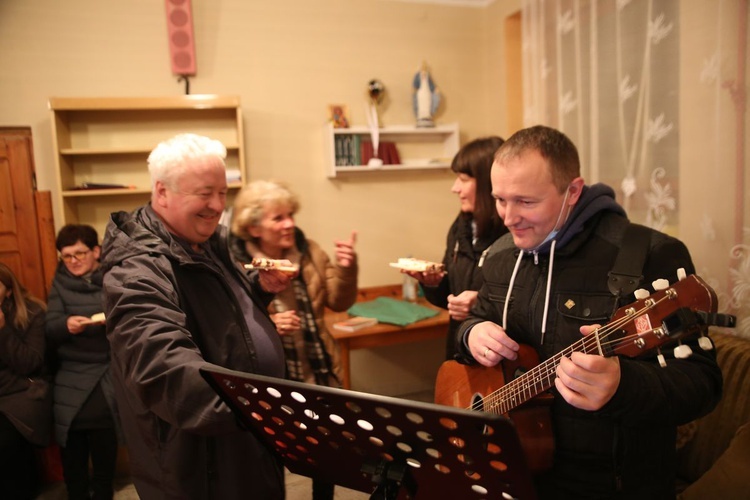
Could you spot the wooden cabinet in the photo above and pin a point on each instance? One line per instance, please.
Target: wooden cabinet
(418, 148)
(27, 231)
(106, 141)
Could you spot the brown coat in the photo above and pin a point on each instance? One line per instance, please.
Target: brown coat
(328, 286)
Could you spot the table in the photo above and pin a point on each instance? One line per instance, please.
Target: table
(383, 334)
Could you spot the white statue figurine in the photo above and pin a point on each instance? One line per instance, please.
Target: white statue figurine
(426, 98)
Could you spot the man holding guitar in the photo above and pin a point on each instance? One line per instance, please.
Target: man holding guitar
(613, 418)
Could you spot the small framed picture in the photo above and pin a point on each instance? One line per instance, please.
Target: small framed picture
(338, 114)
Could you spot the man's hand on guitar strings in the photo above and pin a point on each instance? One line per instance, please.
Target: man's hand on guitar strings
(588, 381)
(489, 344)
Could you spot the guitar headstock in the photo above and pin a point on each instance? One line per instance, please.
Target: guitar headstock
(672, 313)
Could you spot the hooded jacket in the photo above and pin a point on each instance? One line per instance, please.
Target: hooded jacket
(170, 313)
(463, 266)
(542, 297)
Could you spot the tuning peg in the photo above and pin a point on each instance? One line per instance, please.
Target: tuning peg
(662, 361)
(681, 274)
(705, 343)
(641, 294)
(682, 351)
(660, 284)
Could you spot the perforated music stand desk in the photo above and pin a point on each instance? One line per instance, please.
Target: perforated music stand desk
(392, 448)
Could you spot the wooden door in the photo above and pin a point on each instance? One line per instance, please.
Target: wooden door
(27, 235)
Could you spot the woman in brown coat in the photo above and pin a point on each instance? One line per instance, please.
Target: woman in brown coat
(263, 227)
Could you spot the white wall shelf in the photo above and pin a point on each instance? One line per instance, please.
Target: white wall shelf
(418, 148)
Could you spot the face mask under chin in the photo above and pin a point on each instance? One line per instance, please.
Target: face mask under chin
(552, 234)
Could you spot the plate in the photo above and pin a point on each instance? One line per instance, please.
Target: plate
(418, 266)
(283, 269)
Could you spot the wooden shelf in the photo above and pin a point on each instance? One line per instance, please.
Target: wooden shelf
(119, 151)
(107, 140)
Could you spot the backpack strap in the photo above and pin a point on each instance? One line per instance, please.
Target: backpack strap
(627, 273)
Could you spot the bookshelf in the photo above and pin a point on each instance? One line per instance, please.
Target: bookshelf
(106, 141)
(418, 148)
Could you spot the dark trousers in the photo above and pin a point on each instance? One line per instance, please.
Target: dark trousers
(101, 446)
(19, 473)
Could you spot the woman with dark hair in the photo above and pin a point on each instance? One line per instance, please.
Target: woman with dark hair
(25, 400)
(84, 405)
(477, 226)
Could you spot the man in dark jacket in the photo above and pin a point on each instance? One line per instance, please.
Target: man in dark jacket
(175, 301)
(613, 418)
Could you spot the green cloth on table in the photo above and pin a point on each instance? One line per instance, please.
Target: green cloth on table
(393, 311)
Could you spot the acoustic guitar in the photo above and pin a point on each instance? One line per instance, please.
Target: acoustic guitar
(519, 388)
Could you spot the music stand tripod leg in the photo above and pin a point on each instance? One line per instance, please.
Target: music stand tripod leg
(390, 477)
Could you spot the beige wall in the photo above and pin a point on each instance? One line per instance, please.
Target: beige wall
(286, 59)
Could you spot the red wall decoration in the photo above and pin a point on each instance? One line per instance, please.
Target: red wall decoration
(181, 39)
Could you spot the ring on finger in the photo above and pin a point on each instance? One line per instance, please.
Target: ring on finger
(486, 351)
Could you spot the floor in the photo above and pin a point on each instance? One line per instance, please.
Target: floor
(297, 487)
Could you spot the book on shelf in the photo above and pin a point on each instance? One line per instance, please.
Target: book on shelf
(101, 185)
(366, 152)
(356, 150)
(355, 323)
(387, 152)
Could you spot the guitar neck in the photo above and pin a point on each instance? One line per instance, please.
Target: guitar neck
(535, 381)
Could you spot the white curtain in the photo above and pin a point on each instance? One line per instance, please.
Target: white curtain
(654, 94)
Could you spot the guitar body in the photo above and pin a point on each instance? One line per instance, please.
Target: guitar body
(464, 386)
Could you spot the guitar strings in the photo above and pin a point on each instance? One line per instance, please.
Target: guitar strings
(540, 377)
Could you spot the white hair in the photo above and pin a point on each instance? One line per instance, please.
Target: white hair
(168, 161)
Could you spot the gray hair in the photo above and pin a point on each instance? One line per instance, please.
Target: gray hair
(168, 161)
(251, 202)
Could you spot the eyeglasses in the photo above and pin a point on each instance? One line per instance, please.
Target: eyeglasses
(77, 255)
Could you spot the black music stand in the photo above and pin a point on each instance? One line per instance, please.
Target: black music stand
(390, 447)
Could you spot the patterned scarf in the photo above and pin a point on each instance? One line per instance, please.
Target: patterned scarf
(317, 356)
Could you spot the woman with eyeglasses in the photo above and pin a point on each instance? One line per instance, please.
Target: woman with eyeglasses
(84, 404)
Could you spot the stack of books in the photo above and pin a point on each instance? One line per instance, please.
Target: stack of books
(352, 151)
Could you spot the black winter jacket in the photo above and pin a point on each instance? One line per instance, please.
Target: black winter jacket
(627, 448)
(169, 314)
(82, 360)
(25, 398)
(463, 269)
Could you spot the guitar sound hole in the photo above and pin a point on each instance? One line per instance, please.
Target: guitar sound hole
(477, 402)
